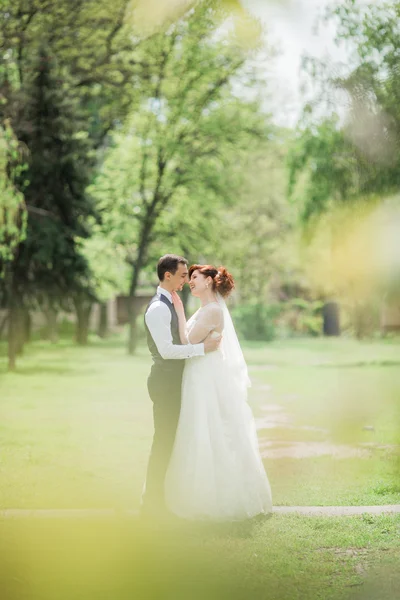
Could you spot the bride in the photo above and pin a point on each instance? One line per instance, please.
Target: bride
(215, 470)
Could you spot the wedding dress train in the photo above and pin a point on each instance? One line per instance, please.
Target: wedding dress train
(216, 471)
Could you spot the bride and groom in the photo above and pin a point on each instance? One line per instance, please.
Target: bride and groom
(204, 461)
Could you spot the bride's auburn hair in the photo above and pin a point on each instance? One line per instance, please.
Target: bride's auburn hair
(223, 282)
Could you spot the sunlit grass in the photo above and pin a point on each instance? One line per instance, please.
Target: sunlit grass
(75, 432)
(76, 423)
(283, 558)
(342, 394)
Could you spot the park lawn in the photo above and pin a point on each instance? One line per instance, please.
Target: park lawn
(339, 395)
(288, 557)
(76, 427)
(76, 423)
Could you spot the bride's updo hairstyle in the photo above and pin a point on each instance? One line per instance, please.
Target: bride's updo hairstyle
(223, 282)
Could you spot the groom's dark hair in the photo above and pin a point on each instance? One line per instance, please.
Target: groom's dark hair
(170, 263)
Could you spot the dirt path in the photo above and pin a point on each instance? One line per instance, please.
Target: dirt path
(312, 511)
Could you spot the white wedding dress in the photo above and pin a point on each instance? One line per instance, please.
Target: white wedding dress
(216, 471)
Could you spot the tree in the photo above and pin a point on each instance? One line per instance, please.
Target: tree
(257, 227)
(342, 169)
(12, 208)
(91, 49)
(97, 43)
(108, 270)
(180, 142)
(357, 154)
(12, 205)
(326, 163)
(153, 16)
(48, 265)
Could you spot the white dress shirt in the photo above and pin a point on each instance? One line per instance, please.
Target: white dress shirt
(158, 320)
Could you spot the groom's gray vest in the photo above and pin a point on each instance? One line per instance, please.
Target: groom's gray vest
(161, 365)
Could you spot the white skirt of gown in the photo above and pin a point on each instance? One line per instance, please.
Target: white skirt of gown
(216, 471)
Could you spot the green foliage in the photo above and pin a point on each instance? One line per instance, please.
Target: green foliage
(175, 161)
(374, 88)
(256, 321)
(384, 488)
(108, 270)
(91, 50)
(329, 161)
(49, 261)
(360, 154)
(257, 228)
(12, 207)
(92, 45)
(302, 317)
(344, 167)
(265, 322)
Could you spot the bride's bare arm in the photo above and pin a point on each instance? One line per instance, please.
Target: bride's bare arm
(209, 319)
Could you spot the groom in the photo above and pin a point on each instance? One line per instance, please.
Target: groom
(165, 379)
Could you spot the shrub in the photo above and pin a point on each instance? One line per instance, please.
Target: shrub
(256, 321)
(265, 322)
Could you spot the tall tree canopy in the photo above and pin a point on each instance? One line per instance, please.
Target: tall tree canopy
(173, 158)
(12, 205)
(61, 65)
(353, 152)
(345, 161)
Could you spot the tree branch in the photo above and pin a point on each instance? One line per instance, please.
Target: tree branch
(42, 212)
(157, 94)
(187, 131)
(20, 14)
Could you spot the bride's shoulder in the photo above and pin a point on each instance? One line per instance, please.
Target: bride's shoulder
(212, 310)
(212, 307)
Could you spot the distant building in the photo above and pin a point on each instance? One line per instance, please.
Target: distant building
(390, 317)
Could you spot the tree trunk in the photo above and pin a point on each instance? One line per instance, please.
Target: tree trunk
(12, 336)
(132, 310)
(3, 325)
(27, 326)
(21, 329)
(51, 329)
(358, 323)
(362, 320)
(137, 266)
(103, 320)
(132, 342)
(83, 310)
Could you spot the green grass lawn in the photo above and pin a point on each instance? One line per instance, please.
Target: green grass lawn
(283, 558)
(337, 412)
(75, 431)
(76, 427)
(76, 423)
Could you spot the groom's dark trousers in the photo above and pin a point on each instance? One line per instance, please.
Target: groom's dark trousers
(164, 386)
